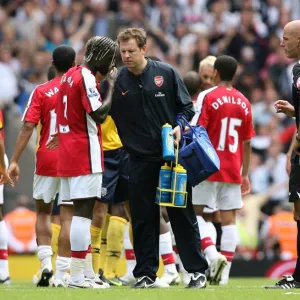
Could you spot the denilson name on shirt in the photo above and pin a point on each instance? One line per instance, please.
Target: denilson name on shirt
(231, 100)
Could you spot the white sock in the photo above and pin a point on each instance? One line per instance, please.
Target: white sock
(212, 231)
(45, 253)
(62, 266)
(80, 240)
(208, 247)
(129, 253)
(88, 265)
(166, 252)
(229, 242)
(4, 272)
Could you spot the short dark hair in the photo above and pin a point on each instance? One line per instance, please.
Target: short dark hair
(51, 73)
(63, 58)
(138, 34)
(226, 66)
(192, 82)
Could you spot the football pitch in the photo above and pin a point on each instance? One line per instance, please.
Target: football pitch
(242, 288)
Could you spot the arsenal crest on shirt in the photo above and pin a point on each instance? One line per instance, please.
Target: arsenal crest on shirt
(159, 80)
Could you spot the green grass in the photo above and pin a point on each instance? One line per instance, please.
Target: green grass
(244, 289)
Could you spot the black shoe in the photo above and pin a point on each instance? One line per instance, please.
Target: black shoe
(102, 277)
(288, 282)
(144, 283)
(44, 279)
(198, 281)
(5, 280)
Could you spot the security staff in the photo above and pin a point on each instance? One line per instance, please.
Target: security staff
(147, 95)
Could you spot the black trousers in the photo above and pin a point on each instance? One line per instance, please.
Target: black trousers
(143, 180)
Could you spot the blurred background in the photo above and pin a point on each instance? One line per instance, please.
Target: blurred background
(181, 32)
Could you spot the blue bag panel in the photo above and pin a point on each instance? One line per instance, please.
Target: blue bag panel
(197, 155)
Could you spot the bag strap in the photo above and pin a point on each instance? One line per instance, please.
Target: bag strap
(182, 117)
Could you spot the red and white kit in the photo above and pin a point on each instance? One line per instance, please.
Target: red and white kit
(226, 115)
(41, 111)
(80, 154)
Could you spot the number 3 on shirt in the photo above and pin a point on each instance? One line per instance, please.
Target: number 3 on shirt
(233, 123)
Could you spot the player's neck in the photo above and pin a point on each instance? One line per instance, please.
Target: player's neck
(226, 84)
(139, 70)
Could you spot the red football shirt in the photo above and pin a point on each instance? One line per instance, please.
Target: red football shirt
(226, 115)
(41, 109)
(79, 137)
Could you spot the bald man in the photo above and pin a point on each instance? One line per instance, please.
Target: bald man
(192, 82)
(291, 46)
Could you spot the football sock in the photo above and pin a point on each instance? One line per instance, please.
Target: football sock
(207, 245)
(166, 252)
(115, 236)
(54, 241)
(80, 240)
(212, 231)
(296, 273)
(229, 242)
(4, 272)
(103, 246)
(96, 240)
(44, 253)
(88, 264)
(62, 266)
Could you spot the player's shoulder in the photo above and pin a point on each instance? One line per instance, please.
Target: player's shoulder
(296, 68)
(209, 92)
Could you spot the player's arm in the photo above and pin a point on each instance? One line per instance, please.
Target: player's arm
(283, 106)
(21, 143)
(289, 153)
(31, 118)
(184, 105)
(101, 113)
(5, 178)
(246, 165)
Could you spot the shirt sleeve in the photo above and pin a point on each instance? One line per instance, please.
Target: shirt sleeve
(296, 76)
(33, 109)
(204, 112)
(91, 98)
(184, 102)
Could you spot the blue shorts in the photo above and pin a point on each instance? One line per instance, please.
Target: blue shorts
(115, 177)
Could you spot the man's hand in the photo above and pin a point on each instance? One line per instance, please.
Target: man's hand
(245, 188)
(52, 143)
(5, 178)
(285, 107)
(14, 171)
(177, 133)
(111, 77)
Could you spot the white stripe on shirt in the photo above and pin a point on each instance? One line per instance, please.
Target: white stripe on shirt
(199, 105)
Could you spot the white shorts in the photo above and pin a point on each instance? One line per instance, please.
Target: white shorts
(45, 188)
(80, 187)
(2, 185)
(224, 196)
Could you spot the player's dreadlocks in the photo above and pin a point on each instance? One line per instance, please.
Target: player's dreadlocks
(99, 46)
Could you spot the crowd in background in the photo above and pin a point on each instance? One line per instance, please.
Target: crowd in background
(181, 32)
